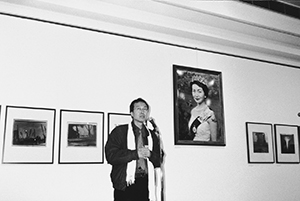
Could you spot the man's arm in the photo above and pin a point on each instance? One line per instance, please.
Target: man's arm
(116, 150)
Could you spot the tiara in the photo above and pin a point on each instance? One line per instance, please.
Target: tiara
(199, 78)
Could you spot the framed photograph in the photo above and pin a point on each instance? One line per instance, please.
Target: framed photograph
(81, 137)
(260, 142)
(28, 135)
(116, 119)
(287, 143)
(198, 107)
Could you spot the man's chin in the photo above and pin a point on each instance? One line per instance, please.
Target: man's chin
(142, 120)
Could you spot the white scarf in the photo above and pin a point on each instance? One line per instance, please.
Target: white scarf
(131, 166)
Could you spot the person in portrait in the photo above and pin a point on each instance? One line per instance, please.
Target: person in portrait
(134, 152)
(260, 143)
(203, 122)
(287, 144)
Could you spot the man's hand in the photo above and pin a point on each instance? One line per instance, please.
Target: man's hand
(144, 152)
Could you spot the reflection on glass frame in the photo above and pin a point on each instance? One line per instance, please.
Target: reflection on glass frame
(28, 135)
(287, 143)
(81, 137)
(260, 142)
(198, 109)
(116, 119)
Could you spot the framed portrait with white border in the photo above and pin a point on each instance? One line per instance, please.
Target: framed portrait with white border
(260, 142)
(287, 143)
(28, 135)
(81, 137)
(116, 119)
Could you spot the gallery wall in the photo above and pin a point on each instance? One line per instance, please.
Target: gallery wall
(59, 67)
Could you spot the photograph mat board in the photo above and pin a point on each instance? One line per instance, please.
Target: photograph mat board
(81, 154)
(260, 155)
(28, 154)
(281, 155)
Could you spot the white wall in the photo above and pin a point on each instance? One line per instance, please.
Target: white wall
(46, 65)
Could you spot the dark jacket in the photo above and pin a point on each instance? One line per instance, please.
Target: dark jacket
(118, 155)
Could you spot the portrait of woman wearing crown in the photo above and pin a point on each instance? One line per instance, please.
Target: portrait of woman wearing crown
(198, 106)
(203, 123)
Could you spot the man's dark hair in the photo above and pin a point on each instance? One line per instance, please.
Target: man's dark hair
(131, 107)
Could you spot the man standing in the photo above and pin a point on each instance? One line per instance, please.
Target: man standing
(133, 151)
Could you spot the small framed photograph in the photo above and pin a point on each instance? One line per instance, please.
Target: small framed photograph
(116, 119)
(260, 142)
(198, 107)
(28, 135)
(81, 137)
(287, 143)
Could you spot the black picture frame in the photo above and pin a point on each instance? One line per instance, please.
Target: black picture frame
(287, 143)
(28, 135)
(184, 103)
(260, 142)
(81, 139)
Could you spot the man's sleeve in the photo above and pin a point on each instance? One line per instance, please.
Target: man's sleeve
(116, 151)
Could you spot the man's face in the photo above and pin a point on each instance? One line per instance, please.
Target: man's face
(140, 112)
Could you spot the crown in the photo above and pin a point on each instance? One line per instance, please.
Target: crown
(199, 78)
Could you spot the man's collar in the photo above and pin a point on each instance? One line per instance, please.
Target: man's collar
(137, 129)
